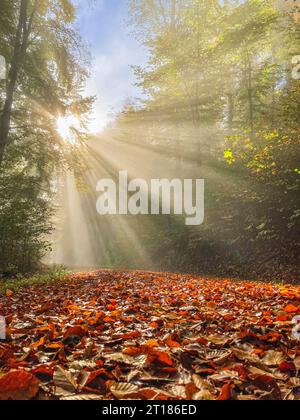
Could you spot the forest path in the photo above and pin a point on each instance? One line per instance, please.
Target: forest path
(111, 334)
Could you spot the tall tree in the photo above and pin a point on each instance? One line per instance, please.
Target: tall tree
(47, 64)
(45, 58)
(23, 32)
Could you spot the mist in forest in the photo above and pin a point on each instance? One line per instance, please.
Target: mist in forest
(212, 106)
(199, 90)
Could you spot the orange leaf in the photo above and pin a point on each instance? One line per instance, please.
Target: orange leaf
(48, 329)
(152, 343)
(55, 346)
(109, 319)
(291, 309)
(160, 357)
(18, 385)
(164, 358)
(132, 351)
(38, 344)
(172, 343)
(131, 335)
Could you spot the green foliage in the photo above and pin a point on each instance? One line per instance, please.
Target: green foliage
(19, 282)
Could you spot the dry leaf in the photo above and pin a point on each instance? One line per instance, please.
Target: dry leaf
(18, 385)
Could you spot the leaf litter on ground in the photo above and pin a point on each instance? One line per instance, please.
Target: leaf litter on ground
(150, 336)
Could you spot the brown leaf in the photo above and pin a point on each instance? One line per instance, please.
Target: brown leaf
(123, 390)
(82, 397)
(219, 340)
(273, 358)
(76, 331)
(267, 383)
(64, 382)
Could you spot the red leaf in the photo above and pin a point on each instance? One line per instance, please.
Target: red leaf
(226, 393)
(190, 390)
(43, 373)
(97, 380)
(269, 384)
(287, 367)
(76, 331)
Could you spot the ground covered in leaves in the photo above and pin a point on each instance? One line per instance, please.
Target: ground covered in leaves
(112, 335)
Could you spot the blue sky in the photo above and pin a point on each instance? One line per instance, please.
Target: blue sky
(103, 26)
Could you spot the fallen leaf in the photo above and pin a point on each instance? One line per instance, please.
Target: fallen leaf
(123, 390)
(267, 383)
(76, 331)
(291, 309)
(18, 385)
(64, 382)
(226, 393)
(273, 358)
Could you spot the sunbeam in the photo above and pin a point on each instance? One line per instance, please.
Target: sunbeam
(66, 125)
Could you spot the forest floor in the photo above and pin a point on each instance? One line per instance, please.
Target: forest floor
(151, 336)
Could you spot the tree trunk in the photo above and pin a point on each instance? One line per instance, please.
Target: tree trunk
(230, 118)
(250, 96)
(20, 48)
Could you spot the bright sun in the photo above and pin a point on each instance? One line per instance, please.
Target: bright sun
(65, 126)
